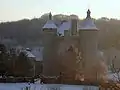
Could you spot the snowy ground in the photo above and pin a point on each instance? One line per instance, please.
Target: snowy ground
(21, 86)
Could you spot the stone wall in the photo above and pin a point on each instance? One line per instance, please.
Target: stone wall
(50, 64)
(61, 55)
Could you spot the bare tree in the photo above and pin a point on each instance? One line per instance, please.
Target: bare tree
(115, 70)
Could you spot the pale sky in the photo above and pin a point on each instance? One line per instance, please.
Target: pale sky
(12, 10)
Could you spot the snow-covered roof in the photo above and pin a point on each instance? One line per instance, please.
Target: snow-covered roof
(29, 54)
(64, 26)
(88, 23)
(50, 24)
(38, 52)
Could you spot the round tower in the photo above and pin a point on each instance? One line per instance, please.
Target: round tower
(49, 52)
(88, 34)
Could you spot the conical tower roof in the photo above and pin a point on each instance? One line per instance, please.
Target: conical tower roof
(88, 23)
(50, 23)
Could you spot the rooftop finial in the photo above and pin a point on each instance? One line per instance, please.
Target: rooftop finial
(88, 13)
(50, 16)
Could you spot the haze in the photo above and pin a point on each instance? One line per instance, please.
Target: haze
(12, 10)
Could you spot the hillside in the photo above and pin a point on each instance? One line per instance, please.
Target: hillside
(28, 32)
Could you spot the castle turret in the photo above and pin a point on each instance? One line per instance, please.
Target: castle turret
(88, 34)
(50, 25)
(49, 57)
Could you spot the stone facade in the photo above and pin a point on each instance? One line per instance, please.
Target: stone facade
(49, 54)
(61, 53)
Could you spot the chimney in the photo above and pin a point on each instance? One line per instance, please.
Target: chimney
(73, 27)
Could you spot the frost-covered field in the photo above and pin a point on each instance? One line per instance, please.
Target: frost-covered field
(22, 86)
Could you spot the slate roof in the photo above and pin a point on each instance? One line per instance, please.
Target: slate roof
(88, 23)
(29, 54)
(64, 26)
(50, 24)
(38, 53)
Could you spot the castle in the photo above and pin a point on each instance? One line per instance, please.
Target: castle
(59, 43)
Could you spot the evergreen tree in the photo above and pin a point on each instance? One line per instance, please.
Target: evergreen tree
(3, 59)
(23, 64)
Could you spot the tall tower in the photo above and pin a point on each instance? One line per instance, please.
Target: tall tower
(88, 34)
(49, 53)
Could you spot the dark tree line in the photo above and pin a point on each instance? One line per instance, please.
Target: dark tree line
(28, 32)
(13, 64)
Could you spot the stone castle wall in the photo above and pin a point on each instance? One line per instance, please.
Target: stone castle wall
(60, 55)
